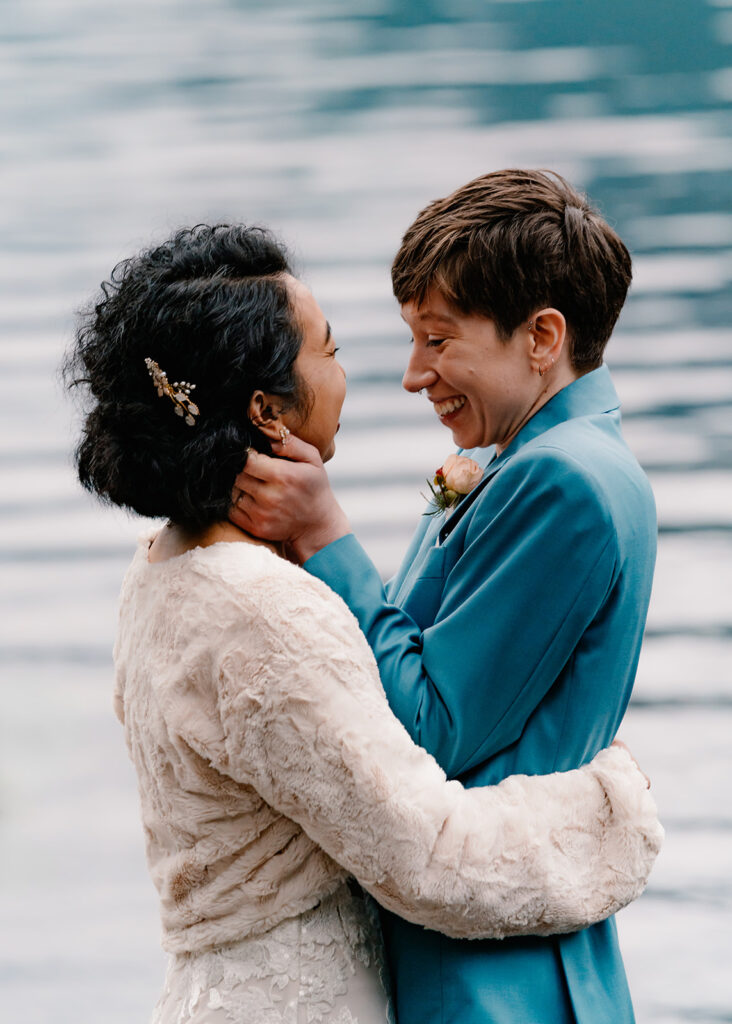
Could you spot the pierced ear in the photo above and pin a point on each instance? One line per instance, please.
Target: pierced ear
(264, 412)
(548, 332)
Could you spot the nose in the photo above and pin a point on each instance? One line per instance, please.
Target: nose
(418, 374)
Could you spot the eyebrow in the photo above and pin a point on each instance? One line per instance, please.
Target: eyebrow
(428, 314)
(442, 317)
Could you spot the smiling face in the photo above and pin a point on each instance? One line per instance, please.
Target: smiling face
(321, 372)
(482, 387)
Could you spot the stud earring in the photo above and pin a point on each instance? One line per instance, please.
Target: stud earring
(284, 436)
(530, 325)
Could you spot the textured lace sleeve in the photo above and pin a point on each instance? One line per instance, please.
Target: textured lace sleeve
(307, 724)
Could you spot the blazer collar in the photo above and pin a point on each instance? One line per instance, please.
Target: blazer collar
(589, 395)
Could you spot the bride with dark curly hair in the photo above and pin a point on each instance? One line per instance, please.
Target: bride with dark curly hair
(277, 789)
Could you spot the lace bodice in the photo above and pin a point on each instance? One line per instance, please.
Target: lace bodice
(324, 967)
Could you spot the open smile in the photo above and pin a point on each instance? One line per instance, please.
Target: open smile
(449, 406)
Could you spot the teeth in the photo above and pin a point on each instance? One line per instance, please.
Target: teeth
(443, 408)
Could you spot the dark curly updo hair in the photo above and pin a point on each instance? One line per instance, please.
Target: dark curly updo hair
(210, 306)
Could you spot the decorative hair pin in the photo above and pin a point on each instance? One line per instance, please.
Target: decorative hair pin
(178, 392)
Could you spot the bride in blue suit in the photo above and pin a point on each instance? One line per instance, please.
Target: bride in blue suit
(508, 640)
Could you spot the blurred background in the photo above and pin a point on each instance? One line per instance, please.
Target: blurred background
(334, 123)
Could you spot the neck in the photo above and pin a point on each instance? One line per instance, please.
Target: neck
(558, 378)
(175, 539)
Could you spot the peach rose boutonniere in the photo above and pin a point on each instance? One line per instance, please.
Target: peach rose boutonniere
(455, 478)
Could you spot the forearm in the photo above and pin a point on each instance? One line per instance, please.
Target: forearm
(396, 642)
(569, 849)
(532, 856)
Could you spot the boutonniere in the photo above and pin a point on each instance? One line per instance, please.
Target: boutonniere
(455, 478)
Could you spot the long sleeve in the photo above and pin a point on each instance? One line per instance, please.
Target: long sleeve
(306, 723)
(539, 559)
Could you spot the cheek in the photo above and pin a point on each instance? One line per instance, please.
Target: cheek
(466, 376)
(325, 404)
(333, 393)
(341, 391)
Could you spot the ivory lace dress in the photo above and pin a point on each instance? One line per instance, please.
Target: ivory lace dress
(272, 774)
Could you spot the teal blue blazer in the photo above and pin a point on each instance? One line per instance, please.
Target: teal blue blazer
(508, 642)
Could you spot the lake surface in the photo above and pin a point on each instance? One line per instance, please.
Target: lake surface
(335, 123)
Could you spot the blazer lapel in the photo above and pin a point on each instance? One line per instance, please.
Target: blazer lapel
(451, 522)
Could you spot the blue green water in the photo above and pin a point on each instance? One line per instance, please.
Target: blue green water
(335, 122)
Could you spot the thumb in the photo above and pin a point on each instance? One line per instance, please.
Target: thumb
(297, 450)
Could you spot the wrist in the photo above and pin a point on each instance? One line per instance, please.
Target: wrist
(319, 535)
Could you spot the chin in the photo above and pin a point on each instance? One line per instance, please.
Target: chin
(464, 440)
(329, 452)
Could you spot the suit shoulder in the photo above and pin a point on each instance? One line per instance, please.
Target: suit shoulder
(553, 468)
(546, 488)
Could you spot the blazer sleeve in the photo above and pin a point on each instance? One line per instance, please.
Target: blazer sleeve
(306, 723)
(539, 559)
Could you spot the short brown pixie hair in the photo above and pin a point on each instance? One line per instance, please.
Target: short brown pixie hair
(510, 242)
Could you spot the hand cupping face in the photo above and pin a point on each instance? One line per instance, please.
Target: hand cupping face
(288, 499)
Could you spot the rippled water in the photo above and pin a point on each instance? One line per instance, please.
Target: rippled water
(334, 123)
